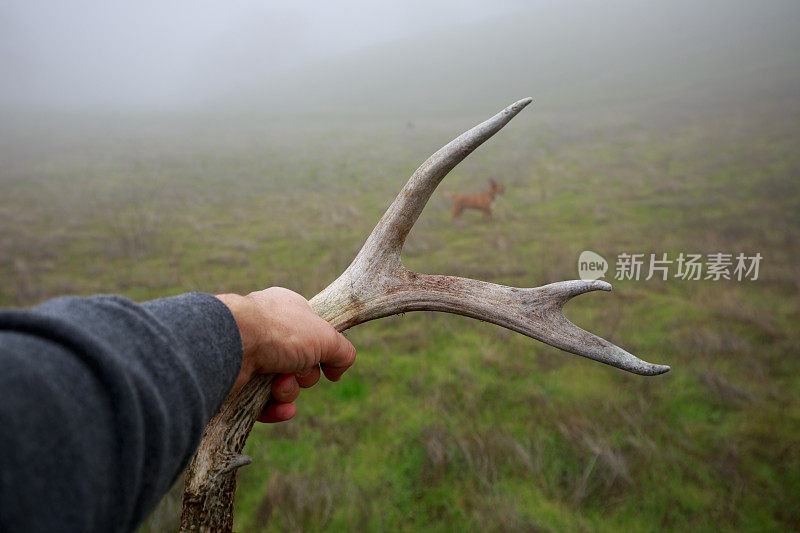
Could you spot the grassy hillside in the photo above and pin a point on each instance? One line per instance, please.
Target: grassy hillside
(445, 423)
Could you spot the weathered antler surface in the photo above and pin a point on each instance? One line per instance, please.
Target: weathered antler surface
(376, 285)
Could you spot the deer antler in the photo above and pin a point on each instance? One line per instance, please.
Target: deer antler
(376, 285)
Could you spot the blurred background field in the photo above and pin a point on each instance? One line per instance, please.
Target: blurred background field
(446, 423)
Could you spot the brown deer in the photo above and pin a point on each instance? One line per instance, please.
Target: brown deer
(481, 201)
(377, 285)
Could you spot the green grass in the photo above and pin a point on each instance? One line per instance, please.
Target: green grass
(445, 423)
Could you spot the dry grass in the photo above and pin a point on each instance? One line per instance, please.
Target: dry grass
(446, 424)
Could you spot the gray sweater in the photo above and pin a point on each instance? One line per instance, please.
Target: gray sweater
(102, 404)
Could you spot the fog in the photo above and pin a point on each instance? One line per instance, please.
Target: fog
(245, 54)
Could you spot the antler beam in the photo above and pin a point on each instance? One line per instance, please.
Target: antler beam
(376, 285)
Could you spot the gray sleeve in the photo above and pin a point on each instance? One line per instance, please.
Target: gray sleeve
(102, 403)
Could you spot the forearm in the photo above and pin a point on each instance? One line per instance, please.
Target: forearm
(102, 403)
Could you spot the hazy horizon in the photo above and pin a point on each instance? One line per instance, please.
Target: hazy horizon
(244, 54)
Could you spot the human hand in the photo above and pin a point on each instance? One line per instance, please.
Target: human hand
(281, 334)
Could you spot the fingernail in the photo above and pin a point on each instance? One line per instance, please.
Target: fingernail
(304, 373)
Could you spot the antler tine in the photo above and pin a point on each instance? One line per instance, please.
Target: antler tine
(553, 328)
(384, 244)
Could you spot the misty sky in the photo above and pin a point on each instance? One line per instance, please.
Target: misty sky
(418, 54)
(152, 52)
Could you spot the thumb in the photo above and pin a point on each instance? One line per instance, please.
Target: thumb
(338, 354)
